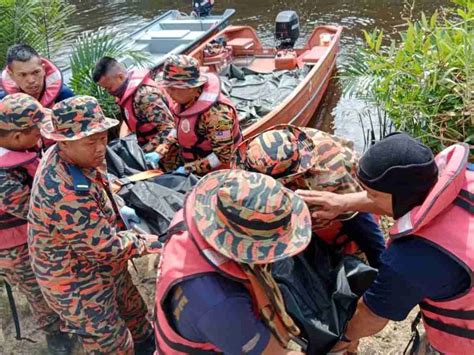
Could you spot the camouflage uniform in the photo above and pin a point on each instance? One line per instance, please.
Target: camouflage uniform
(20, 111)
(216, 124)
(155, 125)
(211, 124)
(78, 256)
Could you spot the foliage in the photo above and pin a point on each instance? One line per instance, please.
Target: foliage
(39, 23)
(87, 50)
(424, 81)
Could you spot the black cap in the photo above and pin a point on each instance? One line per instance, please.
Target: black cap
(401, 166)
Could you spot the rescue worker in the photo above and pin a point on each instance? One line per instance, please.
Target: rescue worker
(308, 159)
(430, 259)
(145, 108)
(202, 8)
(20, 115)
(206, 121)
(233, 225)
(31, 74)
(77, 254)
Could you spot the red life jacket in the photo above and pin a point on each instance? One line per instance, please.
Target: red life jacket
(445, 219)
(13, 230)
(53, 83)
(193, 146)
(137, 78)
(187, 255)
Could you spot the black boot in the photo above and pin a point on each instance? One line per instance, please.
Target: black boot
(59, 343)
(146, 347)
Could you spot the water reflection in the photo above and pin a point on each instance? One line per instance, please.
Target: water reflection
(354, 15)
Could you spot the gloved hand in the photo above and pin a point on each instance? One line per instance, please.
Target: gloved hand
(129, 216)
(181, 170)
(153, 159)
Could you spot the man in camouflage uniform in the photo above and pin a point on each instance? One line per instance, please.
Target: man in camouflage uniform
(78, 256)
(20, 115)
(145, 107)
(207, 125)
(308, 159)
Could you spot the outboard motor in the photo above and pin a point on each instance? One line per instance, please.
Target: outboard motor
(287, 29)
(202, 8)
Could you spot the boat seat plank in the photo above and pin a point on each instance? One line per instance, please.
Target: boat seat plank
(194, 35)
(241, 43)
(314, 54)
(191, 25)
(168, 34)
(262, 65)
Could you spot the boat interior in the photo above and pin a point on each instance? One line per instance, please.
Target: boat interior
(173, 33)
(259, 78)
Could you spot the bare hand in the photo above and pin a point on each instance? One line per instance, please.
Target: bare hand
(329, 205)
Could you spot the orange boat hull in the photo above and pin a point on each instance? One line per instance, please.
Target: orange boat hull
(299, 107)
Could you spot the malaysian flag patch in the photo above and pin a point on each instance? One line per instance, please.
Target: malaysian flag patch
(224, 135)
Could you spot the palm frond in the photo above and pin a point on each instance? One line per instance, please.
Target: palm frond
(87, 50)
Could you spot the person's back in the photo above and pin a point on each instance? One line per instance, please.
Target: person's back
(196, 265)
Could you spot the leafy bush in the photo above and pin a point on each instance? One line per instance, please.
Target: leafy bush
(424, 81)
(40, 23)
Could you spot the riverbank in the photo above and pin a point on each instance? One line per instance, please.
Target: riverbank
(391, 341)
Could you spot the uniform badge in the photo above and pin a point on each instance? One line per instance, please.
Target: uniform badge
(185, 126)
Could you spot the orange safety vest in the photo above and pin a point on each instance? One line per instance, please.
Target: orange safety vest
(13, 230)
(193, 146)
(445, 220)
(53, 83)
(137, 78)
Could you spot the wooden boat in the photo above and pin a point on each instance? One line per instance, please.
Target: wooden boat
(173, 33)
(243, 49)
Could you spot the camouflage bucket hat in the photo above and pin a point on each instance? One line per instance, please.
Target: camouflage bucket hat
(281, 151)
(20, 111)
(331, 168)
(182, 72)
(76, 118)
(249, 217)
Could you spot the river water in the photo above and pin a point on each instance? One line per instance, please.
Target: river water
(336, 113)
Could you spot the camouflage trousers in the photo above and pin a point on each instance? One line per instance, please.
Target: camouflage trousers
(15, 267)
(107, 319)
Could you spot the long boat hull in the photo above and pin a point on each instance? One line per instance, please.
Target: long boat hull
(299, 107)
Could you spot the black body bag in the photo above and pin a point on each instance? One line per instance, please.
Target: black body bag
(321, 293)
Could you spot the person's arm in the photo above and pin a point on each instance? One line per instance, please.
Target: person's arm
(411, 271)
(155, 120)
(364, 324)
(364, 230)
(14, 194)
(80, 221)
(330, 205)
(65, 93)
(274, 347)
(219, 122)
